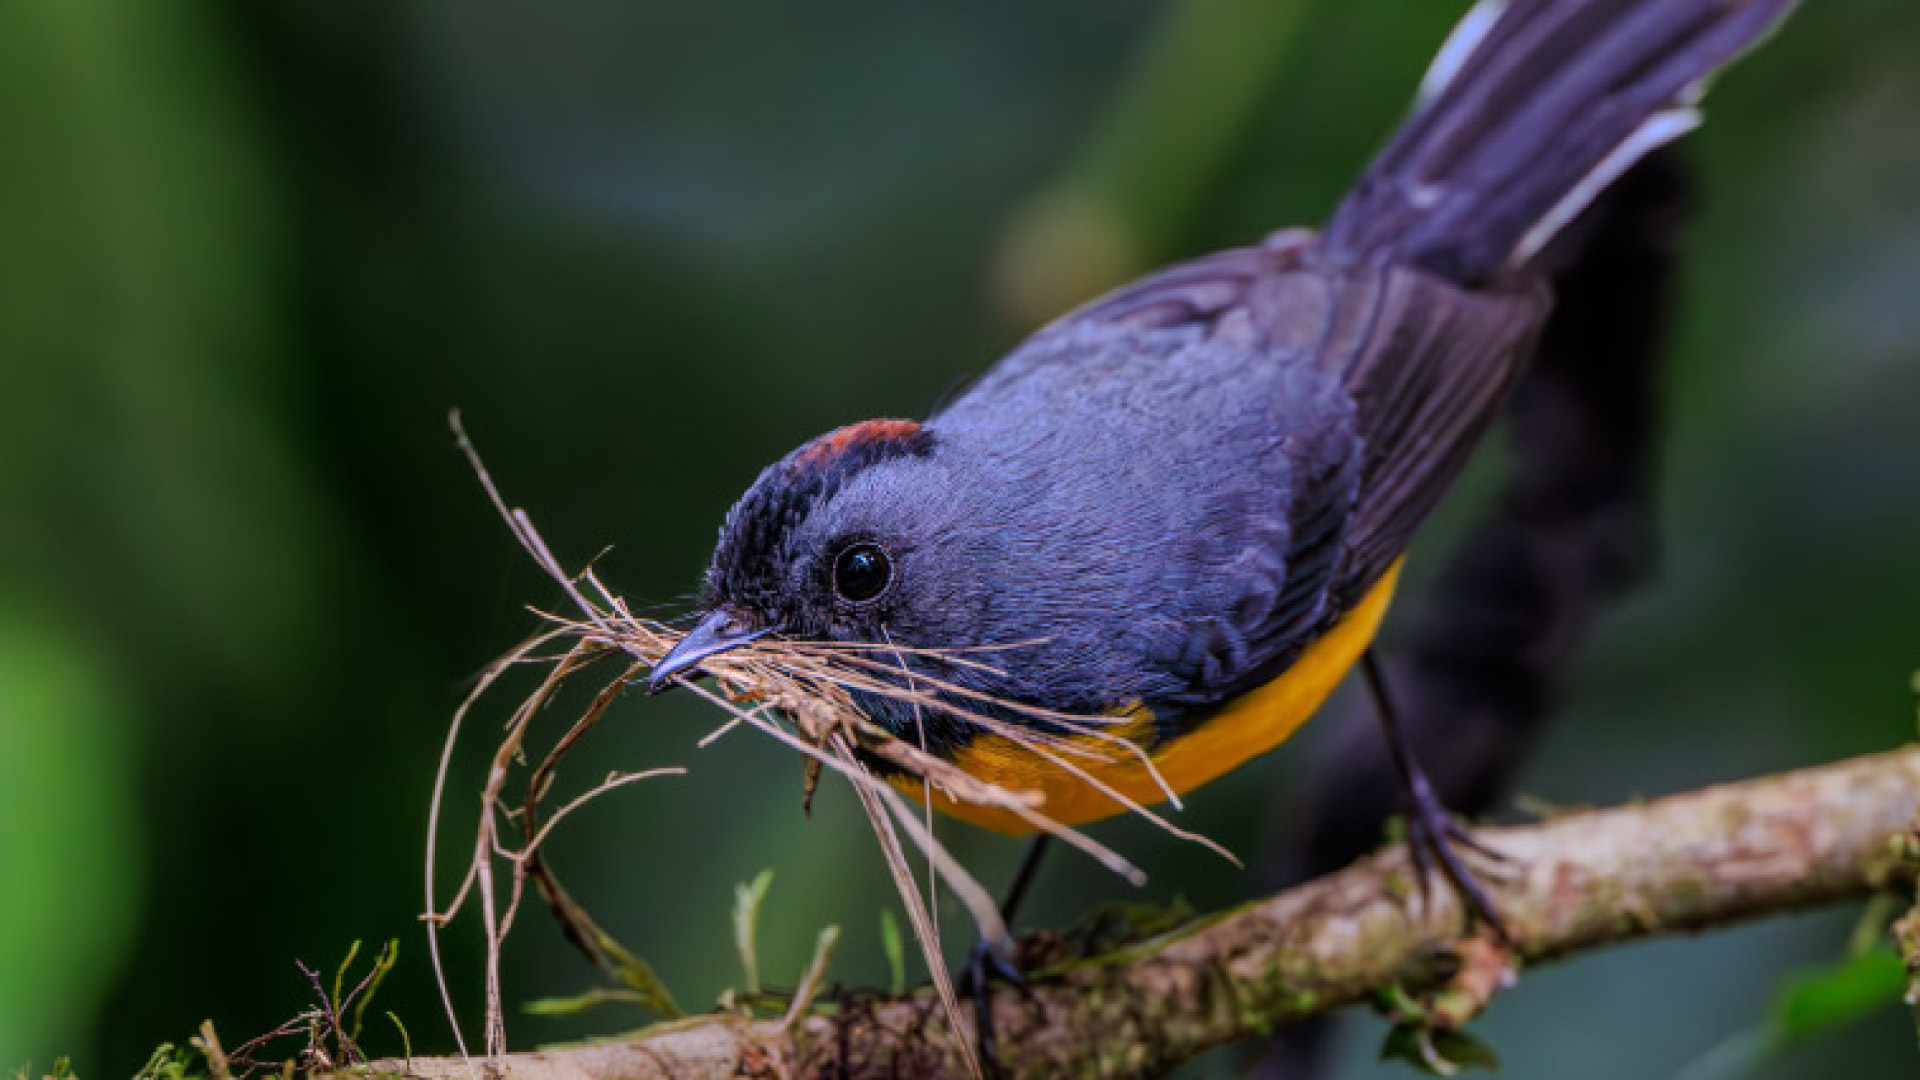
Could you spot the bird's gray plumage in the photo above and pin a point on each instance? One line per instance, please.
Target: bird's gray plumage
(1165, 496)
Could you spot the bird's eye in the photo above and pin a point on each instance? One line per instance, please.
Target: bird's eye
(862, 572)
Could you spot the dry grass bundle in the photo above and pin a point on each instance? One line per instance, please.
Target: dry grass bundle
(801, 693)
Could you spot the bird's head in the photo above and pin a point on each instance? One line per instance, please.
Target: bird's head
(844, 540)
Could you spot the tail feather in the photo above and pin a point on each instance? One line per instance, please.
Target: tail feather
(1531, 109)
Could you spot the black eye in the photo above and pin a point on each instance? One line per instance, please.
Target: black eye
(862, 572)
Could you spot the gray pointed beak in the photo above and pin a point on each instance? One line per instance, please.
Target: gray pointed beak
(719, 631)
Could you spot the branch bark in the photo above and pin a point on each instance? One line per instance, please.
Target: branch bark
(1715, 857)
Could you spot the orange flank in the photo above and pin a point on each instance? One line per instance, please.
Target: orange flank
(1249, 725)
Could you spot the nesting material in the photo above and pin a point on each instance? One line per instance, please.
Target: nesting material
(801, 693)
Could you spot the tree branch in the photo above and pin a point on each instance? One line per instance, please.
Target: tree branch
(1715, 857)
(1906, 929)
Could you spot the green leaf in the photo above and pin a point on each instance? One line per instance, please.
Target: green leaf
(816, 973)
(895, 948)
(746, 916)
(579, 1003)
(169, 1062)
(1841, 994)
(1808, 1004)
(382, 967)
(638, 975)
(1437, 1053)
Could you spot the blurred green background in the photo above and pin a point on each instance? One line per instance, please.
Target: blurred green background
(251, 253)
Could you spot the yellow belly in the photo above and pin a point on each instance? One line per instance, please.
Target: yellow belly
(1252, 724)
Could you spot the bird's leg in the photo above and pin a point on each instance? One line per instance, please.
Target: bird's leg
(993, 960)
(1432, 833)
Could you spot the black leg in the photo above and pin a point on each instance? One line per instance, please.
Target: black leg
(1432, 833)
(1023, 876)
(990, 959)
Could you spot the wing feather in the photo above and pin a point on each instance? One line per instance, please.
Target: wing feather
(1426, 380)
(1384, 380)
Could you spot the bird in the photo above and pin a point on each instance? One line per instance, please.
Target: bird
(1184, 507)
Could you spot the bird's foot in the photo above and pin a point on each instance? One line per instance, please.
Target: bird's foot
(1435, 840)
(990, 961)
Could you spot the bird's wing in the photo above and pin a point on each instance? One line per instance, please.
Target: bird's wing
(1419, 367)
(1427, 365)
(1394, 376)
(1382, 381)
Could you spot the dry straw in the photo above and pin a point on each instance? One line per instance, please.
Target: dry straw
(801, 693)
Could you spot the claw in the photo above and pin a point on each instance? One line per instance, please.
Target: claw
(1417, 853)
(991, 961)
(1431, 833)
(1464, 837)
(1431, 837)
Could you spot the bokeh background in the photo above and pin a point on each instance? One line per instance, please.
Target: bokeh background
(252, 252)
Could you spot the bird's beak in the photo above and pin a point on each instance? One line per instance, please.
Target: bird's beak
(719, 631)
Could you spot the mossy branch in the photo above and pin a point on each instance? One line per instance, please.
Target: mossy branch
(1711, 858)
(1906, 929)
